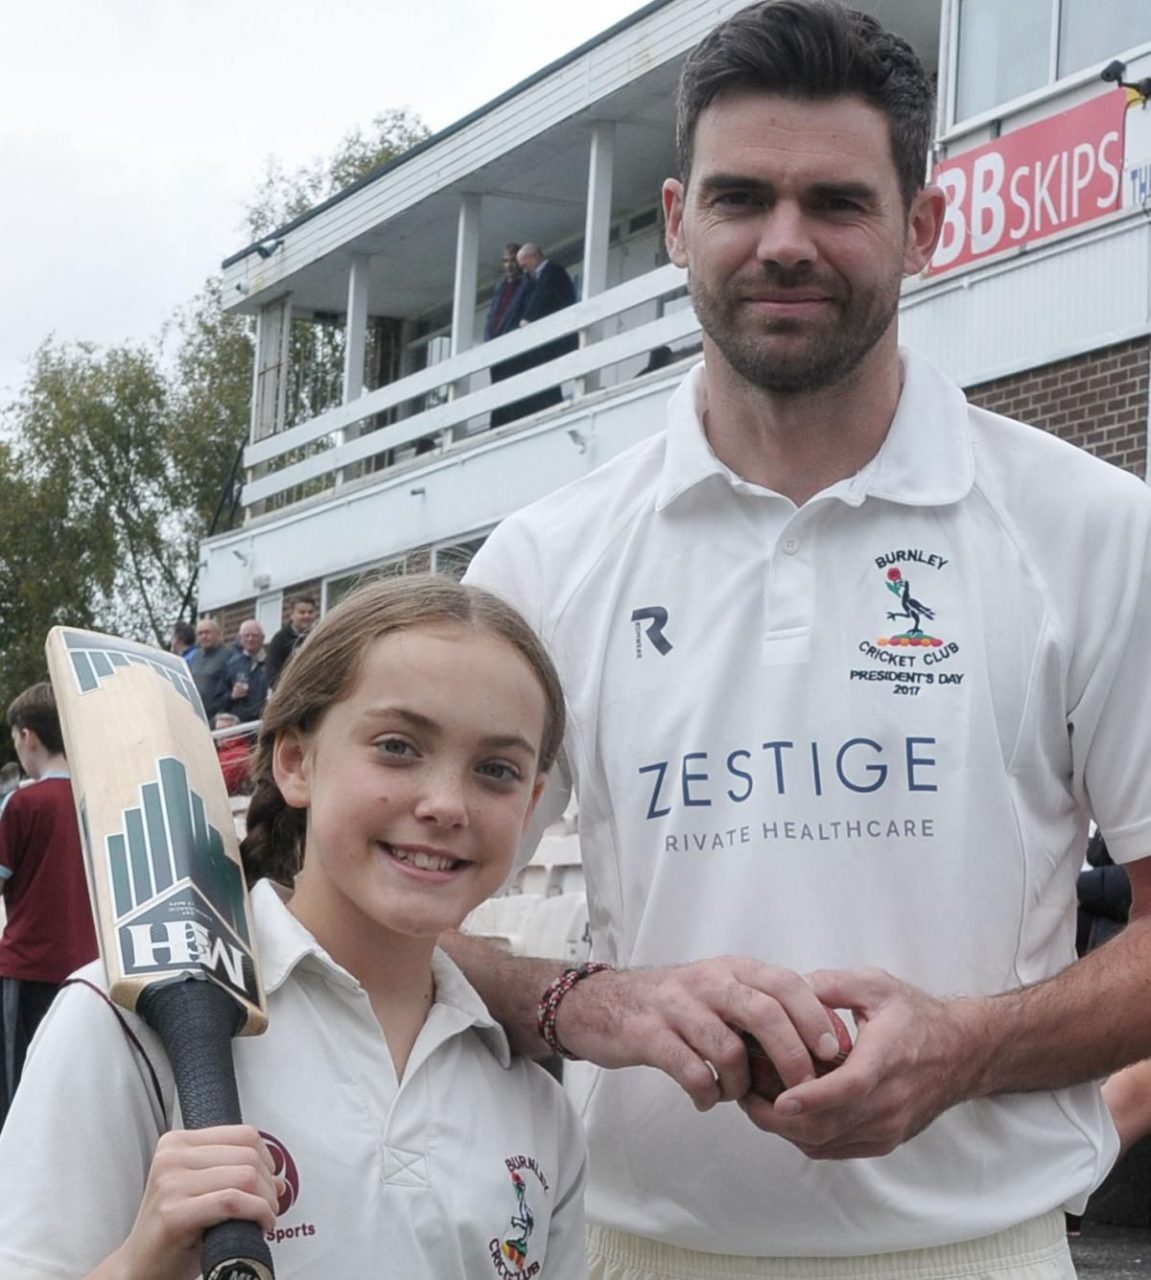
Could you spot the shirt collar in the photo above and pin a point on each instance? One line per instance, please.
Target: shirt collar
(283, 943)
(925, 460)
(457, 998)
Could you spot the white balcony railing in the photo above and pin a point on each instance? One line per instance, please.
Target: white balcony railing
(333, 444)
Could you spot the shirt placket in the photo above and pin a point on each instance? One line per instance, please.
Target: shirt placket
(789, 588)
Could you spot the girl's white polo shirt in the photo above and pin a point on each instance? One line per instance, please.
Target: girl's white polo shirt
(471, 1166)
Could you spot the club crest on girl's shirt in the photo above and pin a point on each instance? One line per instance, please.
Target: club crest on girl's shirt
(510, 1250)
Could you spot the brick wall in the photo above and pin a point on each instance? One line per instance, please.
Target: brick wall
(1098, 401)
(232, 615)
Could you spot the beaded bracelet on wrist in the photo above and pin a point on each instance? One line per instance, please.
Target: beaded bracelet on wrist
(550, 1002)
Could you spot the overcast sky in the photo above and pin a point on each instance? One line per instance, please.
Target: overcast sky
(133, 133)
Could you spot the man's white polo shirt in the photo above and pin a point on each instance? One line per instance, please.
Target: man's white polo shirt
(869, 731)
(471, 1166)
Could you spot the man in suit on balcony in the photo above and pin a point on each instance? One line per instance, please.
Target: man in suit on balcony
(549, 289)
(846, 686)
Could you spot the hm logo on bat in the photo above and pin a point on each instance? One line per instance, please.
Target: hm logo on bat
(181, 944)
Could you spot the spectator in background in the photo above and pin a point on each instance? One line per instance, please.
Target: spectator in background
(210, 667)
(1104, 894)
(549, 289)
(503, 316)
(507, 298)
(9, 781)
(248, 674)
(9, 778)
(183, 641)
(233, 753)
(290, 636)
(49, 931)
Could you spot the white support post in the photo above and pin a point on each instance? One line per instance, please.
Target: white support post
(597, 225)
(269, 379)
(355, 335)
(355, 338)
(270, 371)
(467, 273)
(464, 297)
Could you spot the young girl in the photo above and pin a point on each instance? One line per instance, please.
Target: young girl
(388, 1130)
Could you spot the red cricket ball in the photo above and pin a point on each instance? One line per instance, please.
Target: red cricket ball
(765, 1080)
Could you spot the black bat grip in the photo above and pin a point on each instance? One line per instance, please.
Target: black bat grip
(196, 1020)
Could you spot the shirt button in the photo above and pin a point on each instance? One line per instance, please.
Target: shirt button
(790, 546)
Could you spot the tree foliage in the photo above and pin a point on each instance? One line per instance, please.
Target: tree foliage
(54, 568)
(283, 196)
(210, 389)
(115, 462)
(92, 444)
(113, 467)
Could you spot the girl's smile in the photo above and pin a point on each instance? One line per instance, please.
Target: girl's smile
(430, 861)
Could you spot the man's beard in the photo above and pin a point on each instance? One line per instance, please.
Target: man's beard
(830, 352)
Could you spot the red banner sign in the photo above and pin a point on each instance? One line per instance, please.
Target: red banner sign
(1029, 184)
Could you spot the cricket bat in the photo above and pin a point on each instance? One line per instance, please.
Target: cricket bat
(164, 874)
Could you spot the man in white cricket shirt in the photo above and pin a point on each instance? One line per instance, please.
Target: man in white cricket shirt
(851, 666)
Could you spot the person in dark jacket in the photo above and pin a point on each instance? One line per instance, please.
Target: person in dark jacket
(506, 307)
(504, 314)
(248, 674)
(548, 289)
(1104, 894)
(290, 636)
(209, 666)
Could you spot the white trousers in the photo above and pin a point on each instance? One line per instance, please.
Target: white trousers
(1035, 1250)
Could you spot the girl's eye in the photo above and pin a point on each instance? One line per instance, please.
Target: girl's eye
(398, 747)
(499, 771)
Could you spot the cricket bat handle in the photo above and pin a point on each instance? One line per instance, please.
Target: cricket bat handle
(195, 1020)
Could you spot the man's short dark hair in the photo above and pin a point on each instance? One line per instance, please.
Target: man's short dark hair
(35, 709)
(813, 49)
(302, 598)
(185, 633)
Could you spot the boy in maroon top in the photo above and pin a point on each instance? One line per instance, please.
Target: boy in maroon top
(49, 931)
